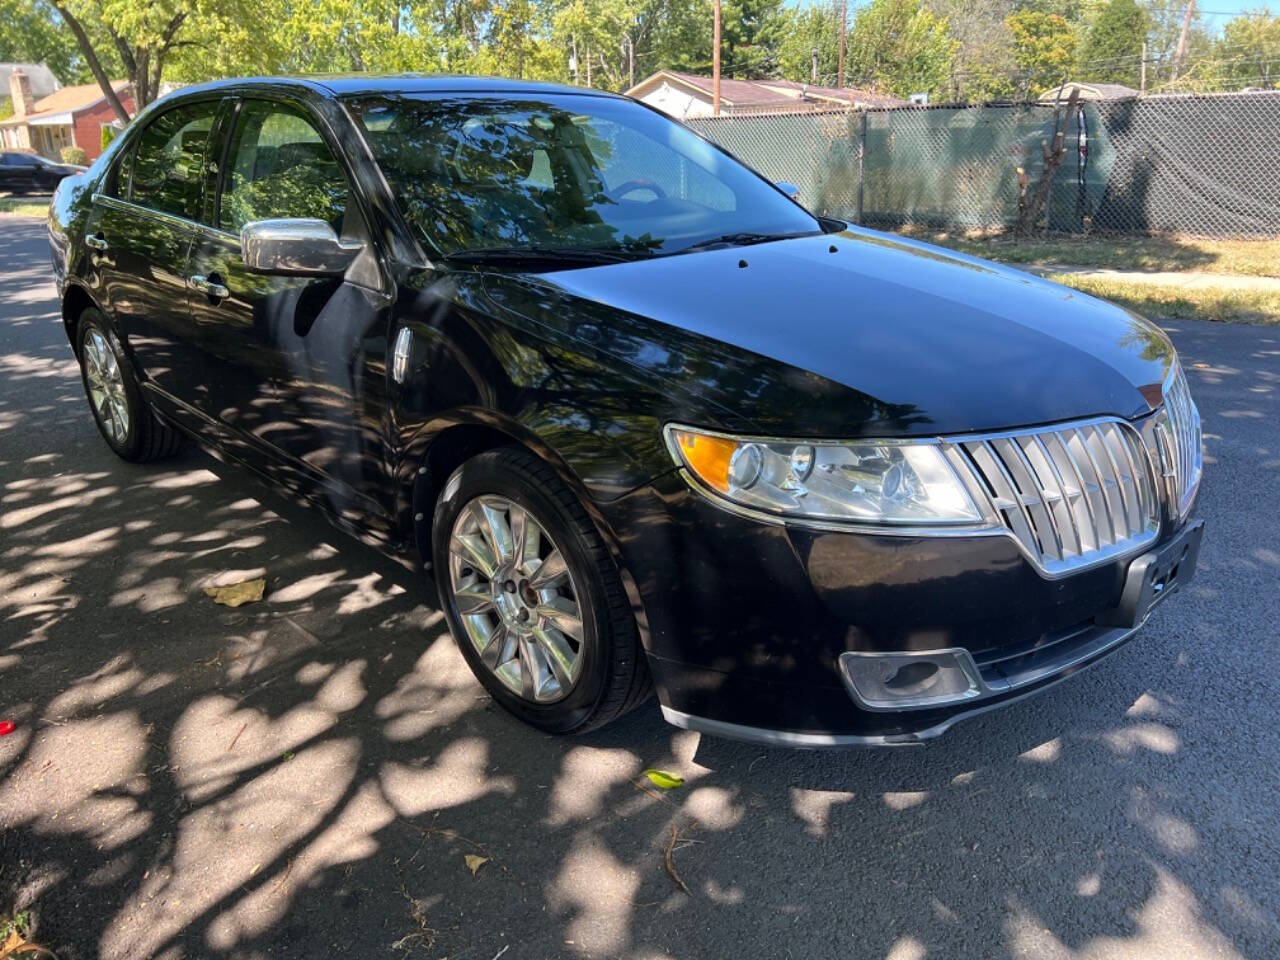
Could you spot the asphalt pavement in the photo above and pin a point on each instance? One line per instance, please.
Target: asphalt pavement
(308, 776)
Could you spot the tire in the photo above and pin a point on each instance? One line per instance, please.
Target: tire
(123, 416)
(610, 676)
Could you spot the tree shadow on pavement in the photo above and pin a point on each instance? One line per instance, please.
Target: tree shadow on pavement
(305, 776)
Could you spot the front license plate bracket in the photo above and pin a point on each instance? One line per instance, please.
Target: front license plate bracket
(1152, 577)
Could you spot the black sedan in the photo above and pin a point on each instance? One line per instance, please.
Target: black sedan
(644, 420)
(31, 173)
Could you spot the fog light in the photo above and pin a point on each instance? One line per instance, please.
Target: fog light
(903, 681)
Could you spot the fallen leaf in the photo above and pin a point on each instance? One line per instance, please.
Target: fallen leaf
(667, 781)
(474, 863)
(249, 591)
(15, 945)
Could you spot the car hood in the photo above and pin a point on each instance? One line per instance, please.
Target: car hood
(856, 333)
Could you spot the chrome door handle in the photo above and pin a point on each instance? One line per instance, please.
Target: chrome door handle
(208, 287)
(95, 242)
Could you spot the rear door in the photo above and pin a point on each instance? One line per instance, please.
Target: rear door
(139, 234)
(308, 336)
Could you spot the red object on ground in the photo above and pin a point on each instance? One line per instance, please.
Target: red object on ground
(6, 727)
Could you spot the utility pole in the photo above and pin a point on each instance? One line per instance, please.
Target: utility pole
(813, 74)
(1182, 39)
(631, 63)
(1142, 87)
(844, 26)
(588, 66)
(715, 63)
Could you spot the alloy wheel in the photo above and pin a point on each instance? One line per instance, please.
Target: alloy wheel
(106, 386)
(516, 598)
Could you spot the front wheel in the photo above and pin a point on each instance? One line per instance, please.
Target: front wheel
(119, 409)
(532, 596)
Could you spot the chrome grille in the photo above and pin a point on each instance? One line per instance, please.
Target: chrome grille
(1180, 442)
(1072, 495)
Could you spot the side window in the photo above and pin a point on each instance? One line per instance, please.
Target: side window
(168, 161)
(280, 167)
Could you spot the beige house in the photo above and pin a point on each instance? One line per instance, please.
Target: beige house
(686, 95)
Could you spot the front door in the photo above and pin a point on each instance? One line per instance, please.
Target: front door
(311, 337)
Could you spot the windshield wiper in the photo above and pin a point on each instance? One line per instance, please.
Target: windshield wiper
(542, 254)
(742, 239)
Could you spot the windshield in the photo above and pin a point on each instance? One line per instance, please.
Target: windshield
(564, 173)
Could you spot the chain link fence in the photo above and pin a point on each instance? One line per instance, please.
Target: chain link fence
(1196, 165)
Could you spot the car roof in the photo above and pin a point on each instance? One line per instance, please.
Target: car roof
(372, 84)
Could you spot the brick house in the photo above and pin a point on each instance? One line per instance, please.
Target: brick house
(70, 117)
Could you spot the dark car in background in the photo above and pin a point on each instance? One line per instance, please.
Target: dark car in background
(31, 173)
(646, 421)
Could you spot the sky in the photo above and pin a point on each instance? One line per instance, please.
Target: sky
(1217, 11)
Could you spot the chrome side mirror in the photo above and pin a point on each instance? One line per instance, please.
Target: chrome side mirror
(296, 248)
(790, 189)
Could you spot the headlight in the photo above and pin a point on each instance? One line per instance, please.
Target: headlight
(876, 481)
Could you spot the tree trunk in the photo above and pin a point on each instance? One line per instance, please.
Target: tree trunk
(1031, 206)
(95, 65)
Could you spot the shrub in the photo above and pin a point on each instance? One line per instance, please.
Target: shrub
(75, 155)
(109, 133)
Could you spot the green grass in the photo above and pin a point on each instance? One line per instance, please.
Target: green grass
(25, 206)
(1255, 258)
(1182, 303)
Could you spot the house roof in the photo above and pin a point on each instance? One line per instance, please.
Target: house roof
(843, 94)
(1091, 91)
(68, 100)
(43, 82)
(782, 94)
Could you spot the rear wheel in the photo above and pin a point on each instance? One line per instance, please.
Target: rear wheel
(122, 414)
(532, 596)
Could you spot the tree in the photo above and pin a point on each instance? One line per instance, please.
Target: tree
(1112, 49)
(140, 37)
(31, 35)
(804, 30)
(1044, 47)
(752, 33)
(901, 46)
(1249, 52)
(982, 70)
(626, 38)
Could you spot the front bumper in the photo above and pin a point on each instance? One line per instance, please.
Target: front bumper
(750, 628)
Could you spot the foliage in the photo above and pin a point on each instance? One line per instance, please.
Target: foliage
(805, 29)
(984, 55)
(109, 133)
(1044, 47)
(966, 50)
(751, 31)
(32, 34)
(75, 155)
(1250, 49)
(901, 46)
(6, 108)
(1112, 50)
